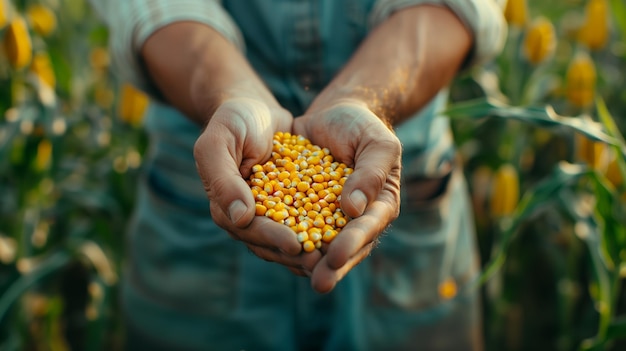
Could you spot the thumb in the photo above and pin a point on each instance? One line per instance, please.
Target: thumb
(217, 162)
(372, 166)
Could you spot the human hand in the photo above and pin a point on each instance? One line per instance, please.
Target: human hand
(238, 136)
(371, 195)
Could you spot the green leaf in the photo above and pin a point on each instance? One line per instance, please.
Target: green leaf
(619, 15)
(617, 329)
(544, 117)
(49, 265)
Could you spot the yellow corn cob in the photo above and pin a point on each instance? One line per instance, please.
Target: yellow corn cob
(613, 173)
(581, 81)
(516, 12)
(44, 155)
(505, 191)
(590, 152)
(133, 105)
(99, 58)
(300, 186)
(42, 67)
(594, 32)
(3, 13)
(540, 41)
(42, 19)
(17, 43)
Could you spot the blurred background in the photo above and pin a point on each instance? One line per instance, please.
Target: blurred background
(539, 131)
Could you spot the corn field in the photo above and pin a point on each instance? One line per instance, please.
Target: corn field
(539, 131)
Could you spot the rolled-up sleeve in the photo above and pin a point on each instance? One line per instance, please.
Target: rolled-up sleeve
(484, 18)
(131, 22)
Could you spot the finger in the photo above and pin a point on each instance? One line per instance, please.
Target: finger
(375, 165)
(217, 165)
(324, 278)
(261, 231)
(359, 232)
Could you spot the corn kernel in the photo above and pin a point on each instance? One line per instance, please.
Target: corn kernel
(308, 246)
(300, 187)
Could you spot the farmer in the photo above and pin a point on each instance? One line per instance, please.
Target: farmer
(367, 79)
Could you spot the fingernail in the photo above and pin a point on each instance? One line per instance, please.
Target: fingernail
(236, 210)
(359, 200)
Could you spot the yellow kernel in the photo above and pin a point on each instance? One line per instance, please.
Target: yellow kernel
(256, 182)
(278, 186)
(308, 246)
(312, 214)
(329, 235)
(302, 236)
(318, 244)
(303, 186)
(336, 189)
(283, 175)
(270, 212)
(294, 154)
(316, 207)
(303, 226)
(340, 222)
(288, 199)
(330, 198)
(279, 206)
(257, 168)
(319, 222)
(279, 194)
(293, 211)
(260, 209)
(318, 178)
(290, 166)
(317, 187)
(315, 237)
(290, 221)
(330, 220)
(314, 197)
(322, 193)
(269, 203)
(326, 212)
(308, 206)
(280, 215)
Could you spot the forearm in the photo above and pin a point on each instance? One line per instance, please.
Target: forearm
(403, 63)
(196, 69)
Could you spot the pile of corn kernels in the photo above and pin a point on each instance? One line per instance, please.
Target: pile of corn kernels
(300, 186)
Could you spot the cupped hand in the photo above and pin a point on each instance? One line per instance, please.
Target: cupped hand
(238, 136)
(371, 195)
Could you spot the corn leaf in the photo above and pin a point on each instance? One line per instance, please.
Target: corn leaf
(49, 265)
(544, 117)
